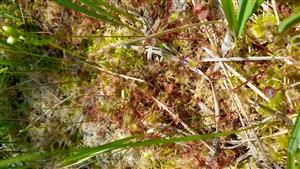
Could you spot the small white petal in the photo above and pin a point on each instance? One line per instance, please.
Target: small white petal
(11, 40)
(5, 28)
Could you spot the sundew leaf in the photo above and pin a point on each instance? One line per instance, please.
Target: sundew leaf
(288, 22)
(246, 9)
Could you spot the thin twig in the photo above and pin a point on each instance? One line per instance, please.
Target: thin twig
(177, 119)
(238, 102)
(12, 87)
(48, 111)
(185, 62)
(240, 143)
(120, 75)
(274, 6)
(94, 65)
(225, 47)
(239, 59)
(45, 87)
(279, 133)
(278, 114)
(294, 85)
(205, 108)
(248, 83)
(155, 35)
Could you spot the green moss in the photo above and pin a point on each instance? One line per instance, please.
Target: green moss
(276, 103)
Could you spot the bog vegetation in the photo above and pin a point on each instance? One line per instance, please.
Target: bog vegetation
(149, 84)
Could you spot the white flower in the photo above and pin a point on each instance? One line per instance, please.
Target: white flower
(11, 40)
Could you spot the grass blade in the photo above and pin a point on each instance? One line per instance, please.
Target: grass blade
(85, 11)
(294, 142)
(8, 62)
(88, 153)
(288, 22)
(246, 9)
(101, 11)
(27, 157)
(114, 9)
(103, 15)
(230, 15)
(79, 155)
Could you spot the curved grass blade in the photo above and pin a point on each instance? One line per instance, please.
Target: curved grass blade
(114, 9)
(88, 153)
(79, 155)
(80, 9)
(101, 11)
(246, 9)
(28, 157)
(230, 15)
(90, 13)
(288, 22)
(85, 11)
(293, 143)
(3, 14)
(158, 34)
(8, 62)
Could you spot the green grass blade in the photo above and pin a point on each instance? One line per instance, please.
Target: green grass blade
(83, 10)
(114, 9)
(8, 62)
(294, 142)
(3, 14)
(73, 156)
(88, 153)
(246, 9)
(288, 22)
(258, 3)
(87, 12)
(230, 15)
(7, 124)
(26, 158)
(101, 11)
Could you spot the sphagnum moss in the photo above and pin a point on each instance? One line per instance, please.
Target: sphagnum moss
(85, 107)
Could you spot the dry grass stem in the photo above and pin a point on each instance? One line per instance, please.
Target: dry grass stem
(178, 120)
